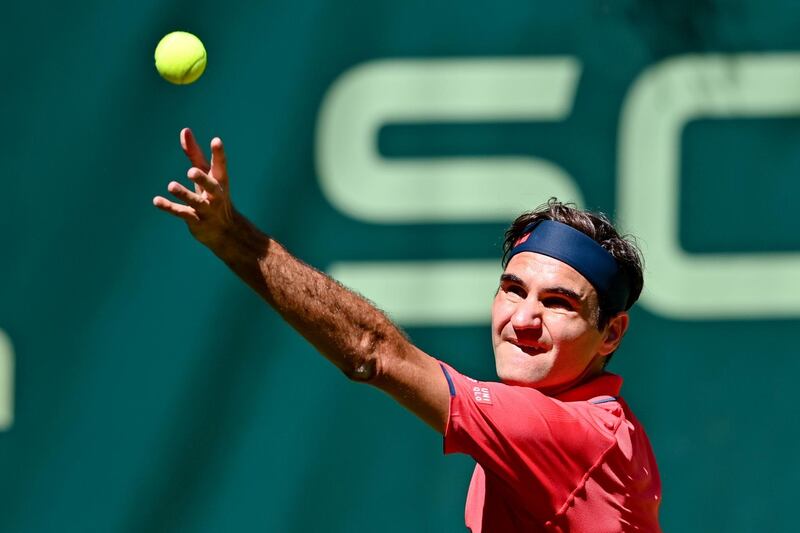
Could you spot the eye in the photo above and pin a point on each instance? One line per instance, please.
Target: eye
(515, 290)
(558, 302)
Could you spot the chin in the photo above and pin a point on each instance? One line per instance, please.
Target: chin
(522, 380)
(530, 374)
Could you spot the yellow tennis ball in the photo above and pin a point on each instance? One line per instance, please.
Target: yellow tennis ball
(180, 57)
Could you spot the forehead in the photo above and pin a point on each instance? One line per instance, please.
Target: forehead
(538, 270)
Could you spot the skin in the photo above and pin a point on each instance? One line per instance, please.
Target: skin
(544, 325)
(537, 341)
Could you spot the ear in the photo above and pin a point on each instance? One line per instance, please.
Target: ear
(614, 331)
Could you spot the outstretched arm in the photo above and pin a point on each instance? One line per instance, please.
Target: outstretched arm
(345, 328)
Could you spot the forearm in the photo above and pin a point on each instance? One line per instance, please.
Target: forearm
(357, 337)
(348, 330)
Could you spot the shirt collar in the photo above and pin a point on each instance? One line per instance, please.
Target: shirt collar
(606, 384)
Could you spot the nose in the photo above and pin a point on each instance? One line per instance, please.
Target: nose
(527, 315)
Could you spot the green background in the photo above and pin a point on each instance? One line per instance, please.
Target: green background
(155, 392)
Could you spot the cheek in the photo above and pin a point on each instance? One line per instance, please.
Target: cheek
(502, 310)
(501, 314)
(567, 330)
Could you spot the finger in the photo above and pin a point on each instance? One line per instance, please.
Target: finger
(193, 150)
(219, 162)
(181, 192)
(181, 211)
(206, 182)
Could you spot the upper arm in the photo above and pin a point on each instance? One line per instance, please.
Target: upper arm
(417, 382)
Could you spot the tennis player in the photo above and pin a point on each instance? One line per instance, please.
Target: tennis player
(557, 448)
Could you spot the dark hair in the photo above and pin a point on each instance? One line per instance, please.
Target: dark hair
(623, 248)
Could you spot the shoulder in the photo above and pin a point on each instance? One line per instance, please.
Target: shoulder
(526, 413)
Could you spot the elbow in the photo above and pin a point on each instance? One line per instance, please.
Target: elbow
(369, 355)
(364, 371)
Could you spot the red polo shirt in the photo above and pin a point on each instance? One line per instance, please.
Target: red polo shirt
(579, 462)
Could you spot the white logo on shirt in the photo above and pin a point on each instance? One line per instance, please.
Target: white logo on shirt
(481, 395)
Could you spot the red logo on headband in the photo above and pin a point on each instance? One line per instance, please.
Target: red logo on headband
(522, 239)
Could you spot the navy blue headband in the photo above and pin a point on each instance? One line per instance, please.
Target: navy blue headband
(582, 253)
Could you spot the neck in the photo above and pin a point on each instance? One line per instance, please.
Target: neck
(592, 370)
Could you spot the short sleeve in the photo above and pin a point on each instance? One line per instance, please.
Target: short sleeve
(535, 444)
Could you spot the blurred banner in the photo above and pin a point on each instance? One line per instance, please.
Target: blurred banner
(144, 388)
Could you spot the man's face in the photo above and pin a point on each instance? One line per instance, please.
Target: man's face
(544, 325)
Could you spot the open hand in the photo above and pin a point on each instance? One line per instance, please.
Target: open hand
(207, 210)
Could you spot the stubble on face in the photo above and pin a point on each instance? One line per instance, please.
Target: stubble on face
(544, 324)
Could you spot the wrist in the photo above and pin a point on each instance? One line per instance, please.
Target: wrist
(238, 239)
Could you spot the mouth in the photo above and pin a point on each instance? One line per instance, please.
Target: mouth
(529, 348)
